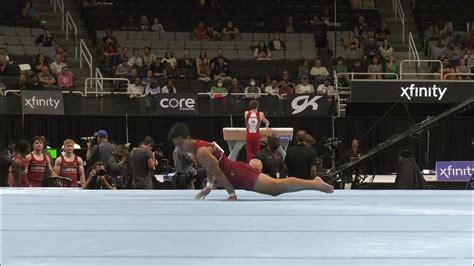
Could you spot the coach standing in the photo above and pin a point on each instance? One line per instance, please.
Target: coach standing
(301, 160)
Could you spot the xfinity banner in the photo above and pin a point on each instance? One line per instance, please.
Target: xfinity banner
(176, 104)
(42, 103)
(411, 91)
(455, 170)
(307, 105)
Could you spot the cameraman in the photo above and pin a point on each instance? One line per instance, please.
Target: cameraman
(98, 179)
(143, 164)
(102, 151)
(120, 168)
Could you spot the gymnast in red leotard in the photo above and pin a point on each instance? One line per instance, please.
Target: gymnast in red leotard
(236, 175)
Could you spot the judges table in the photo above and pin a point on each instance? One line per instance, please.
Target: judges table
(235, 138)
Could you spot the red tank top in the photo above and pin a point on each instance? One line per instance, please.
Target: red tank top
(70, 170)
(37, 170)
(252, 121)
(24, 172)
(224, 163)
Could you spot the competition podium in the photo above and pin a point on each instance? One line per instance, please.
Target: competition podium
(235, 137)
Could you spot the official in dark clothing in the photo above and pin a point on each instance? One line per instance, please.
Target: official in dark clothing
(272, 159)
(5, 162)
(301, 160)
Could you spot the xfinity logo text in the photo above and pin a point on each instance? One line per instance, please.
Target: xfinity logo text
(450, 171)
(34, 102)
(184, 104)
(454, 170)
(300, 107)
(423, 92)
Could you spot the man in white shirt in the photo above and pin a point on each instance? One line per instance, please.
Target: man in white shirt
(135, 89)
(326, 88)
(57, 66)
(273, 88)
(304, 87)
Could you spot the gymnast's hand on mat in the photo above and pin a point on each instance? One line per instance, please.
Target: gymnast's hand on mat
(232, 197)
(203, 193)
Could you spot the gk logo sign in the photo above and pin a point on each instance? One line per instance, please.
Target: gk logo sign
(299, 107)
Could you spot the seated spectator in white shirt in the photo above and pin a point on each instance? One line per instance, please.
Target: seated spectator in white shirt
(252, 88)
(157, 26)
(170, 59)
(136, 60)
(273, 88)
(326, 88)
(57, 66)
(304, 87)
(318, 71)
(261, 52)
(123, 70)
(169, 87)
(136, 89)
(152, 88)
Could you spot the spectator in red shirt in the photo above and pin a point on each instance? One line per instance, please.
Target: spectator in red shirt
(199, 33)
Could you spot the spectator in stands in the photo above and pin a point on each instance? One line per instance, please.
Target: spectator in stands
(57, 66)
(58, 50)
(318, 71)
(466, 41)
(385, 50)
(277, 43)
(3, 51)
(266, 82)
(447, 69)
(108, 38)
(290, 28)
(186, 61)
(440, 50)
(21, 85)
(130, 24)
(97, 180)
(360, 27)
(221, 70)
(110, 52)
(303, 69)
(152, 88)
(158, 68)
(202, 55)
(212, 34)
(46, 39)
(448, 30)
(431, 34)
(123, 70)
(261, 52)
(39, 63)
(170, 59)
(133, 75)
(456, 54)
(370, 49)
(136, 60)
(169, 87)
(5, 68)
(218, 90)
(235, 87)
(199, 33)
(284, 90)
(148, 78)
(46, 78)
(215, 60)
(144, 23)
(66, 79)
(351, 42)
(157, 26)
(375, 67)
(357, 67)
(286, 80)
(252, 88)
(135, 89)
(304, 87)
(463, 69)
(273, 88)
(344, 79)
(391, 67)
(28, 12)
(326, 88)
(148, 57)
(383, 33)
(203, 69)
(469, 57)
(230, 32)
(34, 85)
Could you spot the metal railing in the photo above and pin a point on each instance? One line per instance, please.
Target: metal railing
(60, 5)
(71, 25)
(86, 54)
(412, 51)
(352, 74)
(398, 11)
(99, 82)
(421, 61)
(99, 79)
(64, 92)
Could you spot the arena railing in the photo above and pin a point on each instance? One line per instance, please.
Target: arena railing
(421, 61)
(99, 80)
(86, 54)
(352, 74)
(60, 5)
(460, 75)
(412, 51)
(64, 92)
(398, 11)
(71, 25)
